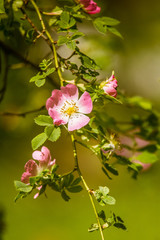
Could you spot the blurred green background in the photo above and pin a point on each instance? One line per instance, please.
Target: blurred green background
(136, 61)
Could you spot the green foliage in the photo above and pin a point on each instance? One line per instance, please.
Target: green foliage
(105, 24)
(66, 21)
(102, 196)
(38, 140)
(140, 102)
(2, 10)
(114, 221)
(58, 183)
(101, 134)
(40, 77)
(52, 133)
(17, 4)
(22, 187)
(147, 157)
(43, 120)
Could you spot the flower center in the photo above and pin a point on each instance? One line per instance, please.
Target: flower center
(69, 108)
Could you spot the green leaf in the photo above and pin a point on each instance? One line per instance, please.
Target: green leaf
(49, 71)
(54, 168)
(104, 23)
(106, 173)
(22, 187)
(102, 215)
(52, 133)
(102, 196)
(75, 189)
(39, 140)
(68, 180)
(37, 77)
(64, 19)
(78, 15)
(140, 102)
(114, 31)
(109, 21)
(147, 157)
(17, 4)
(77, 35)
(62, 40)
(100, 26)
(33, 180)
(120, 225)
(2, 10)
(76, 181)
(52, 21)
(21, 195)
(65, 196)
(111, 169)
(94, 227)
(40, 82)
(104, 190)
(57, 10)
(71, 45)
(109, 200)
(43, 120)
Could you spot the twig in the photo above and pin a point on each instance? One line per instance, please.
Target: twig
(40, 34)
(85, 184)
(23, 114)
(11, 51)
(4, 77)
(51, 40)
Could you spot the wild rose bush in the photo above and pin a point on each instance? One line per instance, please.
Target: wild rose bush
(78, 106)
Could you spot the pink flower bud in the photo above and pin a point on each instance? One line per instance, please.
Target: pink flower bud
(90, 6)
(110, 85)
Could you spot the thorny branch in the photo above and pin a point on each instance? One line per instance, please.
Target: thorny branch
(23, 114)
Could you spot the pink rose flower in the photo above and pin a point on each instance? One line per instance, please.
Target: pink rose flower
(110, 86)
(90, 6)
(140, 143)
(33, 169)
(44, 158)
(65, 107)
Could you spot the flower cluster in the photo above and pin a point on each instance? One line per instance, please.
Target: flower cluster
(33, 169)
(90, 6)
(109, 86)
(65, 107)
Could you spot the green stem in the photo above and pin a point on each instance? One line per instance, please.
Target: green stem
(51, 40)
(85, 184)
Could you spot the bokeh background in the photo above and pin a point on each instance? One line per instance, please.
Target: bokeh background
(136, 62)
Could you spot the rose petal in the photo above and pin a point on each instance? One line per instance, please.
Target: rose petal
(92, 8)
(85, 103)
(110, 90)
(36, 195)
(52, 163)
(58, 118)
(46, 153)
(31, 167)
(70, 91)
(37, 155)
(77, 121)
(25, 177)
(57, 99)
